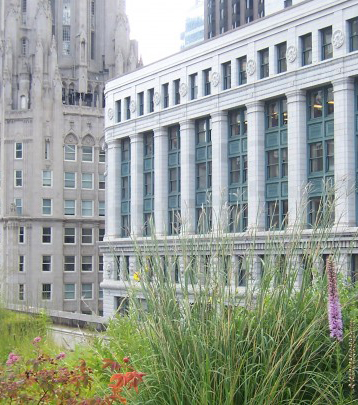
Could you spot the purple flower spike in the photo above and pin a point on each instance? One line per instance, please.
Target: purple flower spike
(334, 306)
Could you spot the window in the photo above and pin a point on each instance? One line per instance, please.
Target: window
(70, 236)
(321, 103)
(193, 86)
(306, 42)
(101, 208)
(46, 234)
(87, 154)
(287, 3)
(24, 46)
(128, 108)
(272, 164)
(87, 235)
(141, 103)
(148, 175)
(226, 69)
(100, 293)
(316, 157)
(21, 266)
(353, 35)
(21, 235)
(93, 43)
(102, 156)
(87, 208)
(165, 95)
(47, 150)
(264, 63)
(281, 57)
(207, 83)
(70, 180)
(118, 107)
(86, 293)
(151, 100)
(46, 206)
(69, 263)
(46, 291)
(18, 206)
(100, 263)
(18, 178)
(87, 181)
(69, 207)
(69, 292)
(21, 292)
(326, 38)
(86, 263)
(46, 263)
(101, 181)
(70, 152)
(176, 91)
(66, 40)
(18, 150)
(46, 178)
(242, 70)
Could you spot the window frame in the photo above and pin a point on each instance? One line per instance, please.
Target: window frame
(18, 178)
(84, 181)
(19, 151)
(89, 235)
(69, 236)
(70, 152)
(46, 207)
(306, 52)
(46, 236)
(85, 264)
(324, 46)
(43, 292)
(45, 263)
(44, 179)
(87, 154)
(83, 209)
(83, 297)
(264, 66)
(281, 60)
(67, 292)
(66, 201)
(67, 262)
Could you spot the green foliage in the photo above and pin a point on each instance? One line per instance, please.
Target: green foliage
(206, 343)
(17, 331)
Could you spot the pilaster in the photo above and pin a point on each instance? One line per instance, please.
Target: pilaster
(297, 157)
(256, 165)
(344, 153)
(219, 136)
(187, 163)
(161, 180)
(136, 185)
(113, 190)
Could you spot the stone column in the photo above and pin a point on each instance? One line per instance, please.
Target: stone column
(219, 137)
(137, 185)
(113, 189)
(161, 180)
(344, 152)
(187, 163)
(297, 157)
(256, 165)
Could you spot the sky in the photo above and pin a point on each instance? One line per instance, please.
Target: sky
(156, 25)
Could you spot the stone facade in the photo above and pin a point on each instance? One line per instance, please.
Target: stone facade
(55, 57)
(262, 112)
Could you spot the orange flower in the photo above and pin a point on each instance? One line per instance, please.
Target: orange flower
(134, 378)
(120, 381)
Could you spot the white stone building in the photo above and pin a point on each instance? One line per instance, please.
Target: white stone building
(55, 57)
(246, 120)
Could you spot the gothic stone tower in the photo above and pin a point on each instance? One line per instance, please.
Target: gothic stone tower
(55, 57)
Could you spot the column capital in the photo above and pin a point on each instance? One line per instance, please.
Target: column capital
(136, 138)
(219, 116)
(296, 96)
(255, 106)
(343, 83)
(160, 131)
(187, 124)
(113, 143)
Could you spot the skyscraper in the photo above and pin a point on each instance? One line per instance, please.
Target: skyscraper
(55, 57)
(223, 15)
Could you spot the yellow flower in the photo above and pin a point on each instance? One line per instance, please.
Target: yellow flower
(136, 276)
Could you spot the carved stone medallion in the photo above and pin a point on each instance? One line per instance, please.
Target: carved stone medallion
(215, 78)
(250, 67)
(183, 90)
(132, 106)
(156, 98)
(338, 39)
(291, 53)
(110, 114)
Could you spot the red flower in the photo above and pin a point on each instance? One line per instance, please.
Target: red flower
(134, 378)
(126, 360)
